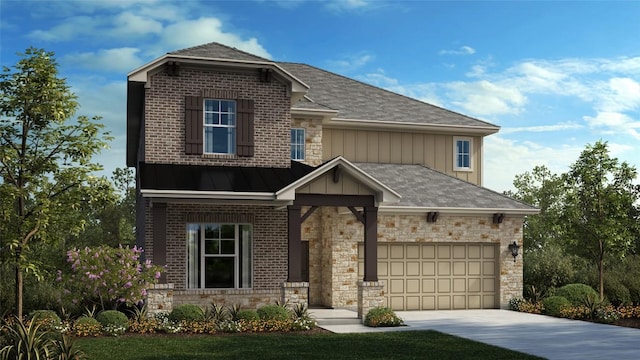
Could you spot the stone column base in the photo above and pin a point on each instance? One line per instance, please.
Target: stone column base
(159, 298)
(295, 293)
(370, 295)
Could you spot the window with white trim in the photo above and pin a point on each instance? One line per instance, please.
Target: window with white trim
(297, 143)
(219, 256)
(219, 126)
(462, 147)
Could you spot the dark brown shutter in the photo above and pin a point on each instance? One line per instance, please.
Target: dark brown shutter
(193, 125)
(244, 128)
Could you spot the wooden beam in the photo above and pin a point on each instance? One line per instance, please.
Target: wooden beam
(357, 214)
(308, 213)
(334, 200)
(294, 273)
(371, 243)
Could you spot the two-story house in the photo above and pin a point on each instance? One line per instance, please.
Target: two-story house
(261, 181)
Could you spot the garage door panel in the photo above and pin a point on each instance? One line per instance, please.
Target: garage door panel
(413, 286)
(474, 301)
(474, 251)
(459, 251)
(488, 285)
(413, 268)
(459, 302)
(412, 303)
(488, 268)
(397, 268)
(474, 285)
(397, 251)
(475, 268)
(444, 285)
(396, 302)
(488, 252)
(444, 302)
(444, 251)
(383, 252)
(459, 268)
(444, 268)
(383, 269)
(429, 285)
(396, 286)
(428, 251)
(413, 252)
(488, 301)
(459, 285)
(428, 302)
(428, 268)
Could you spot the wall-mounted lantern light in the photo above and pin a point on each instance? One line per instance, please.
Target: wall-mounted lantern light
(514, 247)
(498, 217)
(432, 216)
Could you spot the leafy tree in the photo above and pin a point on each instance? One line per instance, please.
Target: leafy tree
(544, 190)
(600, 206)
(45, 160)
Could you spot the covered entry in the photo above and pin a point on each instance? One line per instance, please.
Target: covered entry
(437, 276)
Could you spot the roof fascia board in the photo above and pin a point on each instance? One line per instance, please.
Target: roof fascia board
(141, 74)
(404, 126)
(455, 210)
(385, 193)
(325, 114)
(211, 195)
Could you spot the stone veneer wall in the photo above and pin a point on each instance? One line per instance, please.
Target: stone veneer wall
(339, 235)
(269, 254)
(164, 133)
(313, 139)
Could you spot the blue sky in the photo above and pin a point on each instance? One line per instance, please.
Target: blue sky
(554, 75)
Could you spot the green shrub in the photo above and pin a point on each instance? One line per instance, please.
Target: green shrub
(273, 312)
(247, 315)
(48, 319)
(113, 321)
(577, 294)
(87, 326)
(188, 312)
(553, 305)
(616, 291)
(544, 270)
(382, 316)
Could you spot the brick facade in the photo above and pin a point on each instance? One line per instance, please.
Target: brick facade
(164, 140)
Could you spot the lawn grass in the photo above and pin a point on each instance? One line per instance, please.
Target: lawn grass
(387, 345)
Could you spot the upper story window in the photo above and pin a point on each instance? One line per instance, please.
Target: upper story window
(219, 126)
(297, 144)
(462, 147)
(218, 123)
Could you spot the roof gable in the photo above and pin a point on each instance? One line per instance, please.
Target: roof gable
(218, 51)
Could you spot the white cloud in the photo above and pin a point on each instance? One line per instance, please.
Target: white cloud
(71, 28)
(130, 24)
(486, 98)
(347, 4)
(424, 92)
(204, 30)
(505, 158)
(463, 50)
(541, 128)
(120, 60)
(350, 63)
(623, 94)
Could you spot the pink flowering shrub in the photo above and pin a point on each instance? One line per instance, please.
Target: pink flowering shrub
(107, 276)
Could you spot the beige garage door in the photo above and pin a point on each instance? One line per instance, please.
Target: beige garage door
(437, 276)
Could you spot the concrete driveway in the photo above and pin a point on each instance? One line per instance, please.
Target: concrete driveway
(540, 335)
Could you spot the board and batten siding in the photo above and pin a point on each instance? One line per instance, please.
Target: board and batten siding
(388, 147)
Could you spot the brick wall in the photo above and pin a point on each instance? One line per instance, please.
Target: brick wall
(269, 251)
(164, 117)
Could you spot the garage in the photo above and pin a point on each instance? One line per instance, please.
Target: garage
(437, 276)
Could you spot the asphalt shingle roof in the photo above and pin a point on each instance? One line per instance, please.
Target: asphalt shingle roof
(421, 186)
(357, 100)
(353, 99)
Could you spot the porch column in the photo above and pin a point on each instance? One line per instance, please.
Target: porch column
(159, 212)
(370, 243)
(295, 244)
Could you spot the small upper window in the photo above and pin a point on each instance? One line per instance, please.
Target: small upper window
(297, 144)
(219, 126)
(462, 153)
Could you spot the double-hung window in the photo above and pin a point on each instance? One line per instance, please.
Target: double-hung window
(219, 126)
(462, 148)
(219, 256)
(297, 144)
